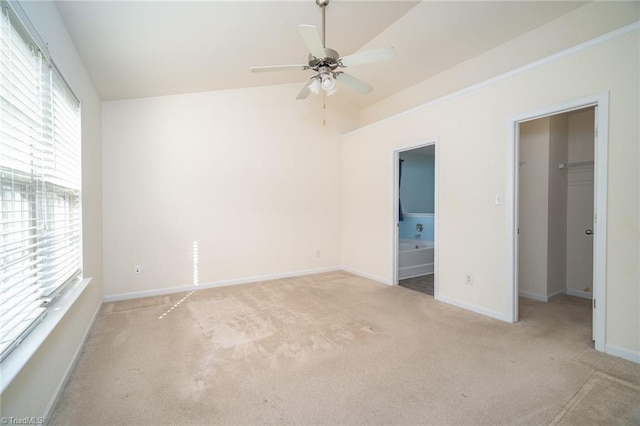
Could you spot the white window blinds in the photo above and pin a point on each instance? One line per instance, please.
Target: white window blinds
(40, 182)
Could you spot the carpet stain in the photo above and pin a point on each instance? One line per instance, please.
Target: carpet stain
(228, 322)
(274, 325)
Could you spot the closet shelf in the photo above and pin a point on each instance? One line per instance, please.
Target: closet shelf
(575, 164)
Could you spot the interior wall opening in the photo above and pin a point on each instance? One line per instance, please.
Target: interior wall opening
(415, 237)
(556, 209)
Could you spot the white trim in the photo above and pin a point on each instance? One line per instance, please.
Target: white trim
(511, 203)
(535, 64)
(395, 217)
(67, 375)
(214, 284)
(474, 308)
(578, 293)
(601, 101)
(367, 275)
(629, 355)
(436, 222)
(11, 366)
(572, 105)
(601, 157)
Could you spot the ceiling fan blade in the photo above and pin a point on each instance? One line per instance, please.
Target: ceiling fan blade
(312, 39)
(306, 89)
(279, 68)
(367, 57)
(357, 85)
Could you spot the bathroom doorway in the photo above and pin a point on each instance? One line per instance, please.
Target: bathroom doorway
(415, 248)
(557, 207)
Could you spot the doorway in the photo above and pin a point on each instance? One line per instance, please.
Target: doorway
(555, 210)
(415, 247)
(557, 200)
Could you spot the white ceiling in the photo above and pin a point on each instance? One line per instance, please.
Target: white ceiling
(137, 49)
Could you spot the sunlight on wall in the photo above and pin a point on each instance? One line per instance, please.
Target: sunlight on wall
(194, 253)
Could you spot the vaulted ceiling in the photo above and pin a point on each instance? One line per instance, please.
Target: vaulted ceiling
(152, 48)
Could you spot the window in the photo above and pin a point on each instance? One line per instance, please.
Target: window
(40, 184)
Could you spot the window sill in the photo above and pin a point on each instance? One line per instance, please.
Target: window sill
(20, 356)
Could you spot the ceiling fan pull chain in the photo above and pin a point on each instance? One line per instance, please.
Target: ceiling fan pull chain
(324, 108)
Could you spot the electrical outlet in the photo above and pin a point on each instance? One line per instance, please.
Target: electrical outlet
(468, 280)
(318, 253)
(137, 269)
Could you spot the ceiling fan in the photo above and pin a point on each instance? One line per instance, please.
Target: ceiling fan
(325, 62)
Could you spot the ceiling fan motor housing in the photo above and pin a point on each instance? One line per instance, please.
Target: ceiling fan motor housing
(330, 60)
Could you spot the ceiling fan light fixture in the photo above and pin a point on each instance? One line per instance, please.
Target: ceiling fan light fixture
(328, 83)
(314, 87)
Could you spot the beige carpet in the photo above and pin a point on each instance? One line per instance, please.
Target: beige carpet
(603, 400)
(338, 349)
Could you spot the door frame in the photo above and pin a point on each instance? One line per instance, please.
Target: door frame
(395, 219)
(601, 141)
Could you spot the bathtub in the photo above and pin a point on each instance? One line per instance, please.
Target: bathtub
(415, 258)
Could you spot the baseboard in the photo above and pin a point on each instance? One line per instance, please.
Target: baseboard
(214, 284)
(629, 355)
(367, 275)
(578, 293)
(557, 294)
(474, 308)
(533, 296)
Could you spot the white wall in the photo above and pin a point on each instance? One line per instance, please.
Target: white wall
(557, 211)
(472, 131)
(592, 20)
(542, 207)
(252, 175)
(533, 208)
(33, 390)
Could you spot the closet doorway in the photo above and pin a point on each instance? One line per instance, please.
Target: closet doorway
(558, 207)
(415, 247)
